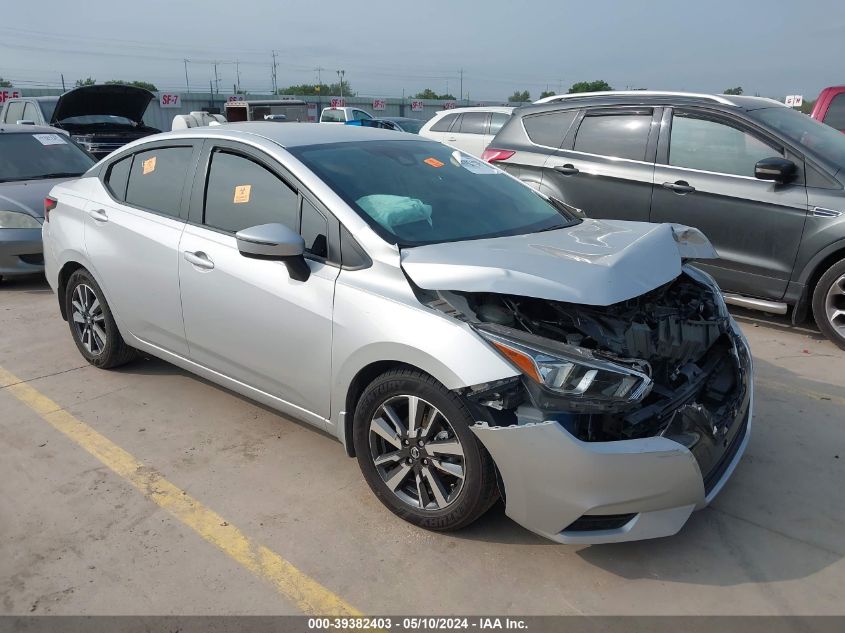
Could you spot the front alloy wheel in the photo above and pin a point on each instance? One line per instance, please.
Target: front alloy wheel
(829, 303)
(416, 452)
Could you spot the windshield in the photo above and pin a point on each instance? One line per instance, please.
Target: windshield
(421, 192)
(98, 119)
(30, 156)
(333, 116)
(821, 139)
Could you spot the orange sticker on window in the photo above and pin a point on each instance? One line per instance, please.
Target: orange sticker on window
(433, 162)
(149, 165)
(242, 193)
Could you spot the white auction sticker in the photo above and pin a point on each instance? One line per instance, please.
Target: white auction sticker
(473, 164)
(50, 139)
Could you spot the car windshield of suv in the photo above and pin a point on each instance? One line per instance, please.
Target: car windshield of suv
(38, 156)
(98, 119)
(818, 137)
(420, 192)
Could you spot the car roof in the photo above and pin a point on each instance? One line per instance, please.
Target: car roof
(651, 97)
(293, 134)
(14, 128)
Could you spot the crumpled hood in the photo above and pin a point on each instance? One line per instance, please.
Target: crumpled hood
(113, 99)
(596, 262)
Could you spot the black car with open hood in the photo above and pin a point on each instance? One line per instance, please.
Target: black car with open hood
(104, 118)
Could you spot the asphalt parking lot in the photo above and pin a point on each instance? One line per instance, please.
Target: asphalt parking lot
(279, 518)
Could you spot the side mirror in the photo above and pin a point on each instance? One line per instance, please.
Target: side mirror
(776, 168)
(275, 242)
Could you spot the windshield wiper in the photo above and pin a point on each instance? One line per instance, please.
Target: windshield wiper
(63, 174)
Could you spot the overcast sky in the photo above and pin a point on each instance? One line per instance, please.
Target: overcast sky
(773, 48)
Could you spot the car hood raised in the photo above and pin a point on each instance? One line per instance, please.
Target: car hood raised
(596, 262)
(117, 100)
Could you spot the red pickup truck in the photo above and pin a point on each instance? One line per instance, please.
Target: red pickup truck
(830, 107)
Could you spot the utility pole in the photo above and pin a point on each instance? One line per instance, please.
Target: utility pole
(216, 80)
(63, 81)
(238, 76)
(187, 84)
(275, 75)
(462, 83)
(340, 74)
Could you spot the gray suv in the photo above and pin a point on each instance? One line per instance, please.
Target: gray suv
(762, 181)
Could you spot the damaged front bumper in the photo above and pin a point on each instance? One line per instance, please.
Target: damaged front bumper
(574, 491)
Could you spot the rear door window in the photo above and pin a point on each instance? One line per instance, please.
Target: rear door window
(549, 129)
(708, 145)
(835, 116)
(620, 135)
(473, 123)
(242, 193)
(158, 178)
(444, 123)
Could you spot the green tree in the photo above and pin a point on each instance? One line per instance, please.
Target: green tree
(734, 91)
(807, 106)
(146, 85)
(85, 82)
(519, 97)
(590, 86)
(428, 93)
(325, 90)
(4, 83)
(547, 93)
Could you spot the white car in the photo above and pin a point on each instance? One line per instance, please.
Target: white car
(342, 115)
(468, 129)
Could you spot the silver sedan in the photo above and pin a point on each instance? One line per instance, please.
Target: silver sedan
(463, 336)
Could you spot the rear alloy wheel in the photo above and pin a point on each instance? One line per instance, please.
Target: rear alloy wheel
(92, 324)
(416, 450)
(829, 303)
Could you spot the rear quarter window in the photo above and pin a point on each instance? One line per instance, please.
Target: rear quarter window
(117, 177)
(444, 123)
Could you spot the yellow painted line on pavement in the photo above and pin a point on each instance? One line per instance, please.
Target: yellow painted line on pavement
(305, 592)
(800, 391)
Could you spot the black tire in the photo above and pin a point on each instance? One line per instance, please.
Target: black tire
(114, 352)
(478, 491)
(832, 276)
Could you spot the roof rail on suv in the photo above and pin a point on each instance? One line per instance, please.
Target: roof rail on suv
(645, 93)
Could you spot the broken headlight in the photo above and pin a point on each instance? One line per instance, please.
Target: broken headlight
(569, 371)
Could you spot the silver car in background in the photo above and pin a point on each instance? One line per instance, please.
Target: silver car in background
(462, 335)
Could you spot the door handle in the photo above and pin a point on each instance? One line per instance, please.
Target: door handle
(567, 170)
(99, 215)
(199, 259)
(680, 186)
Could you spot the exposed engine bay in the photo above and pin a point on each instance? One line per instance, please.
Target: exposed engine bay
(678, 338)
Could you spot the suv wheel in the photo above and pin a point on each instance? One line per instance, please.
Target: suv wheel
(92, 325)
(418, 454)
(829, 303)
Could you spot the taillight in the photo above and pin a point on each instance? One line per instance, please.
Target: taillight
(494, 155)
(49, 205)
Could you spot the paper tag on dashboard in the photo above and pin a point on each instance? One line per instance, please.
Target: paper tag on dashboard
(149, 165)
(50, 139)
(242, 194)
